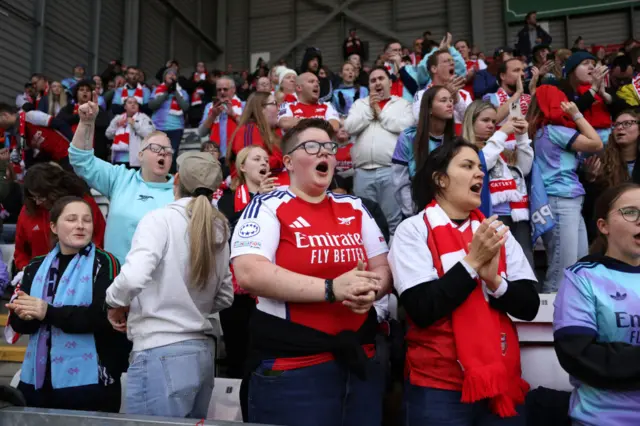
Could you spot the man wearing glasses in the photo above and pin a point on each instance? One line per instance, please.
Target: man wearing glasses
(221, 116)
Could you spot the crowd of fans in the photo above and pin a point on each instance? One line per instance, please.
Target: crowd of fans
(460, 162)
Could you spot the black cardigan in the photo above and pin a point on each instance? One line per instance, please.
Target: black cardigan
(112, 347)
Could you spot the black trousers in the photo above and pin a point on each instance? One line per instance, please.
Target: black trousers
(235, 326)
(84, 398)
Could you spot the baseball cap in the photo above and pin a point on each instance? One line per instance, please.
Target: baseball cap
(199, 170)
(500, 50)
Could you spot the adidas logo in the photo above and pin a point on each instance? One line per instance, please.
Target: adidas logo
(618, 296)
(36, 228)
(300, 223)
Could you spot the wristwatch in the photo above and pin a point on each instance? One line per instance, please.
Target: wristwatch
(329, 296)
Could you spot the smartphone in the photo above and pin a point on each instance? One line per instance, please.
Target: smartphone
(515, 111)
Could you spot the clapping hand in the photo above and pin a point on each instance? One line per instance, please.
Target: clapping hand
(592, 168)
(28, 307)
(360, 299)
(446, 41)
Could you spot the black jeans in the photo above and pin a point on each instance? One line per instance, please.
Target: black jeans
(85, 398)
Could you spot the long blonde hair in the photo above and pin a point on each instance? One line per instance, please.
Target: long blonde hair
(242, 156)
(205, 222)
(468, 131)
(60, 100)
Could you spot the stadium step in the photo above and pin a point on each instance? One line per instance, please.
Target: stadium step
(10, 353)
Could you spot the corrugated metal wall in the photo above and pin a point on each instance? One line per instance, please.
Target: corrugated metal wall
(16, 38)
(68, 37)
(67, 41)
(610, 28)
(254, 26)
(494, 35)
(111, 31)
(153, 50)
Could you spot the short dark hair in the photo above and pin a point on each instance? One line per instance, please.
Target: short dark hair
(5, 107)
(390, 42)
(38, 75)
(623, 62)
(424, 185)
(434, 58)
(533, 12)
(381, 68)
(133, 67)
(83, 83)
(290, 139)
(465, 41)
(502, 69)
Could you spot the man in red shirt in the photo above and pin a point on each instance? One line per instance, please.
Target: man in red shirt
(307, 106)
(43, 137)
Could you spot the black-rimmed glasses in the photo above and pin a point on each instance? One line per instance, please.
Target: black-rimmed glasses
(157, 149)
(313, 147)
(624, 124)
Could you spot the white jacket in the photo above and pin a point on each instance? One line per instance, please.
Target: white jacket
(142, 126)
(154, 282)
(375, 140)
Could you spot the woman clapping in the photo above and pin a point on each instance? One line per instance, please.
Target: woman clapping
(459, 276)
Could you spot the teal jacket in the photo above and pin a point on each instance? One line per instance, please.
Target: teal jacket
(130, 197)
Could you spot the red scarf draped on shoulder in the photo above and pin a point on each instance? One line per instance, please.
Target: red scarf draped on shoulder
(486, 340)
(175, 108)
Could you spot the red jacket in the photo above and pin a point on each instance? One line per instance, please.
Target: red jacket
(33, 231)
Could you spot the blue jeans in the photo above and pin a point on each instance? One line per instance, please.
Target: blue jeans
(439, 407)
(172, 381)
(566, 242)
(320, 395)
(377, 186)
(175, 136)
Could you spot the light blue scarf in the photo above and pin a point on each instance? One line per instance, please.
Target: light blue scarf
(74, 359)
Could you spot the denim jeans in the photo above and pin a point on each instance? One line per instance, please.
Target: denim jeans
(377, 186)
(321, 395)
(439, 407)
(175, 136)
(172, 381)
(566, 242)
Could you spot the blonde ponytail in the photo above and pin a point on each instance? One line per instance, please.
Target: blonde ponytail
(205, 221)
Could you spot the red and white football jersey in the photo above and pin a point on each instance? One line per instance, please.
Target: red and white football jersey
(321, 240)
(298, 109)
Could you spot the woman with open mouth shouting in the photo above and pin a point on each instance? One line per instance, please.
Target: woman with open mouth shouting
(595, 320)
(460, 275)
(131, 193)
(317, 262)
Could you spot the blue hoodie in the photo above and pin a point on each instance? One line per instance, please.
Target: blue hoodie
(130, 197)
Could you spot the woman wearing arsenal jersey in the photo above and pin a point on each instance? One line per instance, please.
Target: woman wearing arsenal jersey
(459, 277)
(257, 126)
(317, 262)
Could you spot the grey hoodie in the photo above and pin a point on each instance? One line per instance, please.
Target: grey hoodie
(154, 281)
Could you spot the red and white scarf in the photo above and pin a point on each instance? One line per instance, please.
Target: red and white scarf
(636, 85)
(122, 137)
(525, 100)
(486, 340)
(242, 198)
(175, 108)
(504, 188)
(138, 93)
(196, 97)
(10, 335)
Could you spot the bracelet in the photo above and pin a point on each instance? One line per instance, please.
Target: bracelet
(329, 296)
(577, 116)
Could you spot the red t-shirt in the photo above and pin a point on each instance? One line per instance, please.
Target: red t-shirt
(298, 109)
(32, 233)
(321, 240)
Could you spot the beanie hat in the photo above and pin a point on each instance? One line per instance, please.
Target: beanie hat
(575, 60)
(285, 72)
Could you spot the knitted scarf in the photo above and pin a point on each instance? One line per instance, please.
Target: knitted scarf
(485, 338)
(138, 93)
(175, 108)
